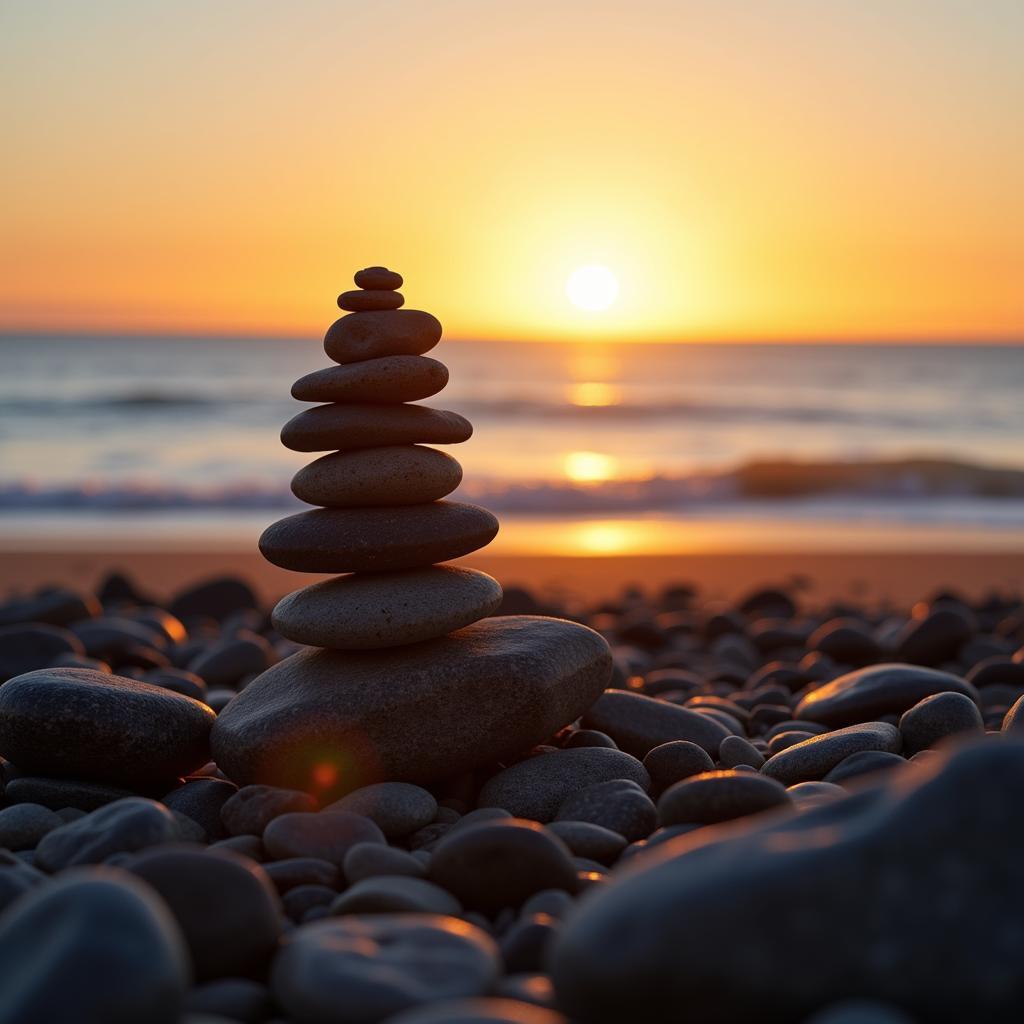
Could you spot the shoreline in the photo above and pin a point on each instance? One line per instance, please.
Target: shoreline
(900, 577)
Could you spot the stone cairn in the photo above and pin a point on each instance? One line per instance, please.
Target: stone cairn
(406, 675)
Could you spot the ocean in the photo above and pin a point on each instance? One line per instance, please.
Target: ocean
(578, 448)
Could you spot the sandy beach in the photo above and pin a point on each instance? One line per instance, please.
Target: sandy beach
(898, 577)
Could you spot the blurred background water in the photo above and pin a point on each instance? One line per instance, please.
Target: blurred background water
(580, 448)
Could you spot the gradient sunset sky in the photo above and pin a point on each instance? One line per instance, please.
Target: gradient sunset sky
(759, 169)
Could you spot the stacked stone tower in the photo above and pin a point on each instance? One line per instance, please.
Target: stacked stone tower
(405, 676)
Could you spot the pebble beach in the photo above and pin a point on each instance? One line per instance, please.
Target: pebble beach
(408, 794)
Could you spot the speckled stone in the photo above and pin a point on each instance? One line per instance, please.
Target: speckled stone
(386, 332)
(101, 727)
(377, 539)
(362, 301)
(388, 379)
(815, 758)
(335, 721)
(347, 427)
(378, 279)
(868, 693)
(396, 475)
(375, 610)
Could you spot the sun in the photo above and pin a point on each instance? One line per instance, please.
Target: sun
(593, 288)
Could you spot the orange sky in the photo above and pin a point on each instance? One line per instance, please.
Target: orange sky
(761, 169)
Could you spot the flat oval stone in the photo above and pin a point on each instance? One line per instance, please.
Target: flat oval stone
(368, 968)
(369, 477)
(372, 610)
(378, 279)
(869, 693)
(537, 787)
(377, 539)
(712, 797)
(92, 946)
(346, 427)
(384, 332)
(338, 720)
(362, 301)
(638, 723)
(388, 379)
(101, 727)
(815, 758)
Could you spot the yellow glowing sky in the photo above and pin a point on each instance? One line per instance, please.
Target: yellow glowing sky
(764, 169)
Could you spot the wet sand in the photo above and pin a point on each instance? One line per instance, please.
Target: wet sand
(901, 578)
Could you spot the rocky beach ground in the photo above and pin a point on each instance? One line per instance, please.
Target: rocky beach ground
(774, 812)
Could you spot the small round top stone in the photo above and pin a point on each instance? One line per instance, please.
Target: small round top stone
(378, 279)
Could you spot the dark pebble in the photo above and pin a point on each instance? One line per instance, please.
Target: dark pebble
(369, 968)
(252, 808)
(328, 835)
(719, 796)
(489, 867)
(619, 805)
(237, 999)
(224, 904)
(670, 762)
(535, 788)
(105, 728)
(94, 947)
(936, 718)
(124, 826)
(295, 871)
(638, 723)
(202, 800)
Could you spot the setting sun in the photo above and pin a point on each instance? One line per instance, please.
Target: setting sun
(592, 288)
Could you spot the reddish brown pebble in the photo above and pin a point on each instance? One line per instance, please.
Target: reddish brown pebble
(381, 332)
(377, 539)
(362, 302)
(378, 279)
(346, 427)
(376, 381)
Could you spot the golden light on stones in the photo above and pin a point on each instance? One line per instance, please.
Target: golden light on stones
(589, 467)
(593, 288)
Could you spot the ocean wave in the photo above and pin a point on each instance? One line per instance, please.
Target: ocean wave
(520, 409)
(778, 482)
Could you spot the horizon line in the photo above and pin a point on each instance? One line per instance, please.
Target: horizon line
(28, 333)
